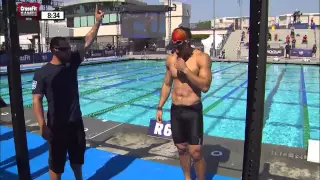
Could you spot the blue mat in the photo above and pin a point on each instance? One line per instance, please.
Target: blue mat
(99, 165)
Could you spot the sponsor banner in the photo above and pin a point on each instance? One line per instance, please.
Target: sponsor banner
(301, 52)
(108, 53)
(299, 26)
(160, 130)
(275, 52)
(96, 53)
(42, 57)
(28, 58)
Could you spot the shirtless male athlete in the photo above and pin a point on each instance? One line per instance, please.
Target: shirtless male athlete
(190, 72)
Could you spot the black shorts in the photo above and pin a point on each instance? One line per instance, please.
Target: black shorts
(187, 124)
(69, 139)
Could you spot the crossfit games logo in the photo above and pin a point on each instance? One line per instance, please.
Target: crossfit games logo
(29, 11)
(274, 51)
(34, 85)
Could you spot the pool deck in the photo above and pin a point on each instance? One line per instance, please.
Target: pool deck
(277, 162)
(91, 61)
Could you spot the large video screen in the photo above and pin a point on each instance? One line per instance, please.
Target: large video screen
(143, 25)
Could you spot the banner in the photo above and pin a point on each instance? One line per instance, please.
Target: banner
(108, 53)
(96, 53)
(42, 57)
(28, 58)
(299, 26)
(160, 130)
(275, 52)
(301, 52)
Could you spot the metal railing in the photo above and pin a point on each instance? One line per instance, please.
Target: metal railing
(225, 39)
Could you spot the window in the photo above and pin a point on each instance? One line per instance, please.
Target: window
(91, 21)
(70, 22)
(84, 21)
(113, 18)
(105, 19)
(76, 22)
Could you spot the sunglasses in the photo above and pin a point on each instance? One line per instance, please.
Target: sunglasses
(178, 42)
(63, 48)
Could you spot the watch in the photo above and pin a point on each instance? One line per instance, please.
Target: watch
(159, 108)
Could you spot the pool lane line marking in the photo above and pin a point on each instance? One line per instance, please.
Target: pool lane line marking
(268, 100)
(92, 78)
(216, 103)
(134, 100)
(223, 85)
(90, 91)
(111, 108)
(3, 85)
(305, 112)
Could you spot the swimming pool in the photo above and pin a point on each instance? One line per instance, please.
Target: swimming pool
(128, 92)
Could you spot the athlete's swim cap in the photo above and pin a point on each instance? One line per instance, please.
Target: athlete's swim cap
(179, 35)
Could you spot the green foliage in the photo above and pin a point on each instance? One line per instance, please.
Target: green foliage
(198, 37)
(203, 25)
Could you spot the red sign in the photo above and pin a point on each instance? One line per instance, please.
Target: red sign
(29, 11)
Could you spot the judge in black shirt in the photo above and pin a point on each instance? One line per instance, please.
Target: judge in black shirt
(57, 81)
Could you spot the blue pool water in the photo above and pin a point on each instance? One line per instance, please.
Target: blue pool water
(292, 98)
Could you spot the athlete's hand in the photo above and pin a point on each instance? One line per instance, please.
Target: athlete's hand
(181, 65)
(98, 14)
(159, 116)
(45, 132)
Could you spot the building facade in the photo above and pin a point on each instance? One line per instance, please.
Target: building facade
(80, 18)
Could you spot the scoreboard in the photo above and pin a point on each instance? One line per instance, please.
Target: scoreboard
(52, 15)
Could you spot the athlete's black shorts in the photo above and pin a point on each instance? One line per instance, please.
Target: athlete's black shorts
(187, 124)
(70, 139)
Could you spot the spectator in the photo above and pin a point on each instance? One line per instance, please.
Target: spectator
(293, 42)
(305, 39)
(288, 39)
(276, 37)
(288, 49)
(292, 33)
(314, 50)
(239, 52)
(296, 16)
(223, 54)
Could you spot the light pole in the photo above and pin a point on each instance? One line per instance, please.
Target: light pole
(214, 30)
(240, 7)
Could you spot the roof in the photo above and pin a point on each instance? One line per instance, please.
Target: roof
(76, 2)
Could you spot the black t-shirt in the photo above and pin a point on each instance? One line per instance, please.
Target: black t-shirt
(59, 84)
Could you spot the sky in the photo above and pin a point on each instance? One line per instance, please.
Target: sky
(203, 9)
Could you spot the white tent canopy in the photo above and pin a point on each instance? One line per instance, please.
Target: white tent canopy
(207, 42)
(23, 41)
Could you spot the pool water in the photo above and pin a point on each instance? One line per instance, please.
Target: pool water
(128, 92)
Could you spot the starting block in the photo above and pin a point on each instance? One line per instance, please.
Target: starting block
(313, 151)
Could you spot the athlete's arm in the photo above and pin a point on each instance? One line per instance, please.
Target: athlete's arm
(166, 86)
(37, 96)
(92, 34)
(204, 79)
(38, 108)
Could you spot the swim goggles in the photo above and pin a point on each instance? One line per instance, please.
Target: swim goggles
(179, 42)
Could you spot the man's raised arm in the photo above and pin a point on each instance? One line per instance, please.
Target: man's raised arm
(92, 34)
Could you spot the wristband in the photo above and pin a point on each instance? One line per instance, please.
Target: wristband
(159, 108)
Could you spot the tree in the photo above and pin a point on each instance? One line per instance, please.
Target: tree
(203, 25)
